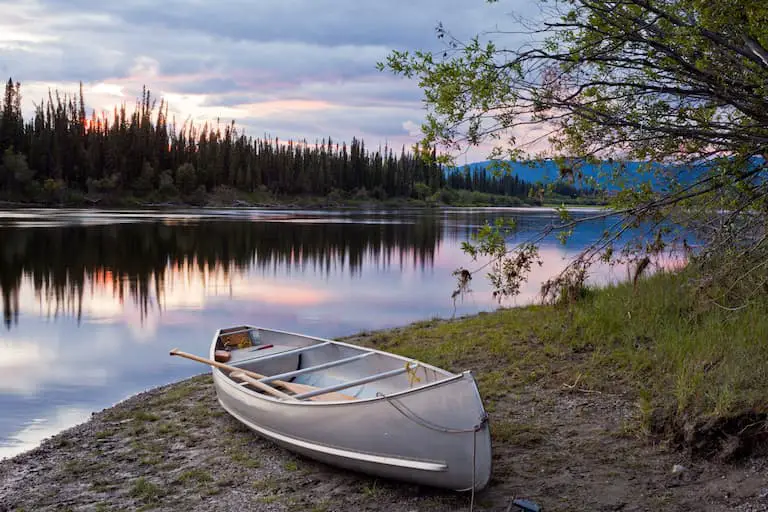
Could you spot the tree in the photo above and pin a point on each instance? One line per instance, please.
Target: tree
(11, 123)
(186, 178)
(14, 170)
(679, 84)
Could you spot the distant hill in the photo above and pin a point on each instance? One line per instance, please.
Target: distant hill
(632, 173)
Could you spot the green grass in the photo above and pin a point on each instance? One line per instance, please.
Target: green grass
(76, 468)
(677, 350)
(268, 484)
(660, 342)
(146, 491)
(516, 433)
(144, 416)
(197, 475)
(321, 506)
(371, 490)
(241, 454)
(100, 485)
(103, 434)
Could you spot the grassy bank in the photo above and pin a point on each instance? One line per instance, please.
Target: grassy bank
(576, 395)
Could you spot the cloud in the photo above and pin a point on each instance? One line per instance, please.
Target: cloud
(320, 22)
(412, 128)
(295, 69)
(37, 430)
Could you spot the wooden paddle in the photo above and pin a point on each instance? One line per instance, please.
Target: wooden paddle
(252, 378)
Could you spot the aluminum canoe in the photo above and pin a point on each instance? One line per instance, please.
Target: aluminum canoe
(397, 418)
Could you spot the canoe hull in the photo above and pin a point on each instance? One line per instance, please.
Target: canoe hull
(375, 437)
(435, 435)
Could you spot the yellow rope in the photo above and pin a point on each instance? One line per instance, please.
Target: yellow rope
(411, 371)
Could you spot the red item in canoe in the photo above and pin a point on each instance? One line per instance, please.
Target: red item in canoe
(221, 356)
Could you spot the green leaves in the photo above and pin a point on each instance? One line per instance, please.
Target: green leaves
(679, 82)
(461, 86)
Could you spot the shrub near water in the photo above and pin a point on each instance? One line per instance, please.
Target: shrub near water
(699, 369)
(685, 351)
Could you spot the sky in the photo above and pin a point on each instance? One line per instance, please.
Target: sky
(295, 69)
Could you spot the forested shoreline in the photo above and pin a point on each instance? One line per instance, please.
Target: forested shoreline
(62, 155)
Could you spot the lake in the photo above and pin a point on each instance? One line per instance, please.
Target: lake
(93, 300)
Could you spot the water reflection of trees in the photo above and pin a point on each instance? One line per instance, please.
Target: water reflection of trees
(63, 263)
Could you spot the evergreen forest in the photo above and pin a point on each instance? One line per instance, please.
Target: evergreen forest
(64, 155)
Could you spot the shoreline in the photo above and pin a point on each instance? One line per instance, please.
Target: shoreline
(562, 446)
(298, 203)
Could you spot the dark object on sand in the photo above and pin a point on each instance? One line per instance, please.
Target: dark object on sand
(524, 505)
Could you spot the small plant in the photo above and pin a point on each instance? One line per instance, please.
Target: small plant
(244, 459)
(322, 506)
(200, 475)
(268, 484)
(516, 433)
(145, 491)
(144, 416)
(103, 434)
(371, 491)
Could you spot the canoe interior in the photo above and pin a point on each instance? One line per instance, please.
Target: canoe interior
(272, 353)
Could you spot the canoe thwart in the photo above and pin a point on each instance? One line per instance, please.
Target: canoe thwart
(357, 382)
(289, 352)
(318, 367)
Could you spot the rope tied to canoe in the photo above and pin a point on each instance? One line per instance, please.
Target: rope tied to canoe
(410, 370)
(408, 413)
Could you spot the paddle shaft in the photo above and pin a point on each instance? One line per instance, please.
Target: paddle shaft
(296, 388)
(176, 352)
(241, 375)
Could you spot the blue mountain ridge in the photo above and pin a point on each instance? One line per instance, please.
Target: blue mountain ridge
(632, 173)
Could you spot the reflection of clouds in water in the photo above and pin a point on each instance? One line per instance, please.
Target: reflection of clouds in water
(28, 366)
(39, 429)
(278, 292)
(184, 287)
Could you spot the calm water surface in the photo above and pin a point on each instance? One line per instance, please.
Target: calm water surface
(93, 300)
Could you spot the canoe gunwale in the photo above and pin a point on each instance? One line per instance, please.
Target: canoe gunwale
(450, 377)
(399, 394)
